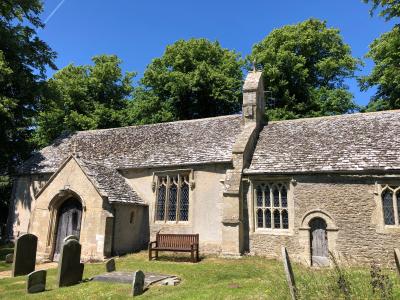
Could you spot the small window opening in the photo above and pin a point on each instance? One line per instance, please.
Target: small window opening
(132, 217)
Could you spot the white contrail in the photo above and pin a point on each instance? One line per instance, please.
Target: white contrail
(54, 11)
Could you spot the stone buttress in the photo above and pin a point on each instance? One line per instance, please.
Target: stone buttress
(253, 120)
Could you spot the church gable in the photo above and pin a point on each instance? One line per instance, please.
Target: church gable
(107, 182)
(70, 176)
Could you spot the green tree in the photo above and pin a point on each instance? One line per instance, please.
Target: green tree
(388, 8)
(305, 66)
(193, 79)
(23, 61)
(385, 75)
(384, 51)
(84, 97)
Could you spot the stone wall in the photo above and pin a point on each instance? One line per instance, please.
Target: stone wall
(205, 203)
(23, 202)
(131, 231)
(350, 206)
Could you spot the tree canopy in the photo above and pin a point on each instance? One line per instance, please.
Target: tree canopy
(385, 75)
(23, 61)
(305, 66)
(193, 79)
(388, 8)
(384, 51)
(84, 97)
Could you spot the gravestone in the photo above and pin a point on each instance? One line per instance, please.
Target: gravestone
(24, 255)
(138, 283)
(70, 237)
(110, 265)
(70, 269)
(9, 258)
(289, 274)
(397, 259)
(36, 282)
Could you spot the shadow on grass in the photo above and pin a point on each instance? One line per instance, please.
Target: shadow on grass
(176, 258)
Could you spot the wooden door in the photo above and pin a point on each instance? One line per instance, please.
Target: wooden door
(319, 243)
(69, 223)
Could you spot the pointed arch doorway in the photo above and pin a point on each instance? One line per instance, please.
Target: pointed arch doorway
(69, 217)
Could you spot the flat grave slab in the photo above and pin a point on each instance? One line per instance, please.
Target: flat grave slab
(127, 277)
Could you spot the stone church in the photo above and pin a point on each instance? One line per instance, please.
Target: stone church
(315, 185)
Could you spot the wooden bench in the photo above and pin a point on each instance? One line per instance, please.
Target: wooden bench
(175, 243)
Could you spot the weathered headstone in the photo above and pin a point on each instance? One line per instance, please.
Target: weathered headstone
(36, 282)
(397, 259)
(24, 255)
(70, 269)
(70, 237)
(9, 258)
(138, 283)
(110, 265)
(289, 273)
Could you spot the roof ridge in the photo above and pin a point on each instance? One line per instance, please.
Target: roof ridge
(338, 116)
(160, 123)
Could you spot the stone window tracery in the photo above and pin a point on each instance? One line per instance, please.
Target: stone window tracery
(390, 198)
(271, 206)
(172, 198)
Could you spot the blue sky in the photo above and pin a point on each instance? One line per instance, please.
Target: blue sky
(138, 31)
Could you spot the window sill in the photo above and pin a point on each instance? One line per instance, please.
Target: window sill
(391, 228)
(274, 231)
(173, 223)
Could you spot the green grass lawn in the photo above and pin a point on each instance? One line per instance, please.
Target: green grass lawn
(212, 278)
(4, 250)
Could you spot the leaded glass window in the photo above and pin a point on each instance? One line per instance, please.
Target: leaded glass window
(184, 207)
(285, 219)
(172, 201)
(260, 220)
(271, 202)
(391, 205)
(161, 195)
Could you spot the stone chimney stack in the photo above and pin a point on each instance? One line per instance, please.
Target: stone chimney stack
(253, 99)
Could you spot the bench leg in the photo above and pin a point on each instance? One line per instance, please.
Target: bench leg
(156, 254)
(150, 256)
(197, 255)
(192, 256)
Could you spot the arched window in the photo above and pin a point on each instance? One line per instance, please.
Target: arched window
(388, 210)
(132, 217)
(267, 218)
(259, 196)
(161, 196)
(285, 219)
(260, 221)
(172, 202)
(267, 197)
(184, 203)
(277, 219)
(276, 196)
(398, 204)
(284, 196)
(271, 206)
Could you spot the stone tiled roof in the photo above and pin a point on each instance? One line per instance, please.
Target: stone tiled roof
(355, 142)
(110, 183)
(191, 142)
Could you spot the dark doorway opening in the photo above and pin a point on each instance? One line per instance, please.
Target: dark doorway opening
(69, 223)
(319, 242)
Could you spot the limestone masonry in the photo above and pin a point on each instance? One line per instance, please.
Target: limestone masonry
(317, 186)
